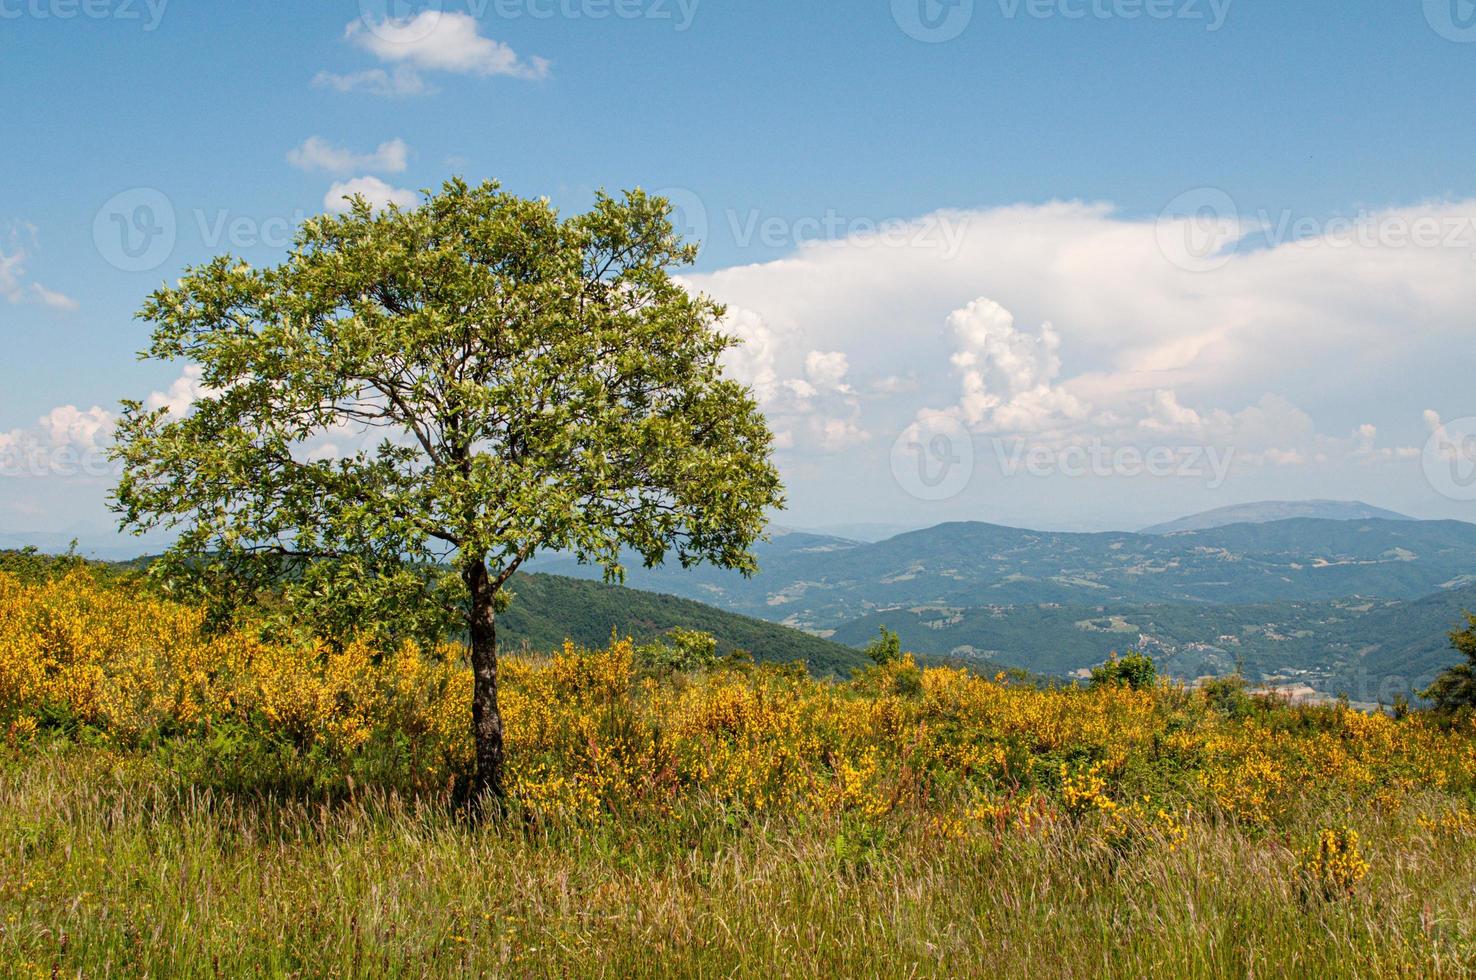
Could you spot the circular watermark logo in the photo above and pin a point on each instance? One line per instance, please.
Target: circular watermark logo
(1197, 230)
(933, 458)
(1450, 459)
(135, 230)
(933, 21)
(401, 21)
(688, 214)
(1454, 20)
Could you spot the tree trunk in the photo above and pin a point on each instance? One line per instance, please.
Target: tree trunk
(487, 789)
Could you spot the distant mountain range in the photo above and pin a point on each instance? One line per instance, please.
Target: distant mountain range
(819, 584)
(91, 542)
(1355, 604)
(1267, 511)
(862, 532)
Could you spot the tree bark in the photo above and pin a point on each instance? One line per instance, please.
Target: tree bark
(487, 788)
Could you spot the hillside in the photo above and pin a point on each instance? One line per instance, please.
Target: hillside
(1266, 511)
(547, 609)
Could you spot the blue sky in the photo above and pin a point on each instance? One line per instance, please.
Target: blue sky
(776, 123)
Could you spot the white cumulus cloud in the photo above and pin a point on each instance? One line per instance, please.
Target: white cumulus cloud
(316, 153)
(826, 370)
(430, 41)
(809, 404)
(379, 194)
(403, 81)
(181, 394)
(1008, 375)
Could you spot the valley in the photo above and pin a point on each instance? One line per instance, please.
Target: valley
(1344, 606)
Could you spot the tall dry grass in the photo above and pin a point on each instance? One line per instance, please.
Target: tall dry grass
(176, 803)
(107, 868)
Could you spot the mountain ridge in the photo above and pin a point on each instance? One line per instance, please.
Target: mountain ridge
(977, 564)
(1269, 511)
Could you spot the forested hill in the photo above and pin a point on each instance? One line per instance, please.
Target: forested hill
(547, 609)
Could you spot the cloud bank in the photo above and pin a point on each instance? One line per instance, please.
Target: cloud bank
(1067, 322)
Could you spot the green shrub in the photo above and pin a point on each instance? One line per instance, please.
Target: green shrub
(1135, 670)
(679, 651)
(886, 648)
(1228, 696)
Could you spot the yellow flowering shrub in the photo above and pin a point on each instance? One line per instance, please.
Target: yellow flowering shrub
(589, 736)
(1334, 867)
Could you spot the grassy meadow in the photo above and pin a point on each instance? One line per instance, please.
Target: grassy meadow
(175, 802)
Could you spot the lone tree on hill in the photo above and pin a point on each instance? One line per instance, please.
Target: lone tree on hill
(416, 401)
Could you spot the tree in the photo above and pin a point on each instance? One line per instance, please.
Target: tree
(1455, 688)
(517, 381)
(886, 648)
(1136, 670)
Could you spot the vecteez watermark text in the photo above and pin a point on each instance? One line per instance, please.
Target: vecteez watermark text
(1097, 459)
(936, 458)
(408, 22)
(136, 230)
(147, 13)
(936, 21)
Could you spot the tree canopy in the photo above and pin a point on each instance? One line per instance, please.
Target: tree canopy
(416, 401)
